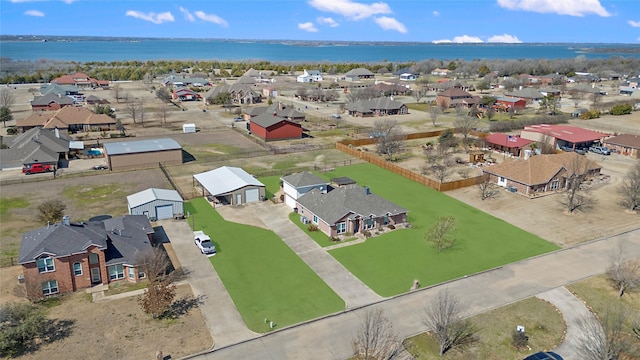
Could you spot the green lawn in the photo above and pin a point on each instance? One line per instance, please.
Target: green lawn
(263, 276)
(389, 263)
(272, 185)
(318, 236)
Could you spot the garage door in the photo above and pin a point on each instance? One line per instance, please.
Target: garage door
(164, 212)
(252, 195)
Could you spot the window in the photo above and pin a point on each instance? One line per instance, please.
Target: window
(369, 223)
(46, 265)
(555, 185)
(49, 287)
(116, 272)
(315, 219)
(502, 179)
(385, 220)
(132, 273)
(141, 274)
(93, 258)
(77, 269)
(341, 228)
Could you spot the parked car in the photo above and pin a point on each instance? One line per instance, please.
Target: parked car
(36, 169)
(99, 167)
(580, 151)
(238, 119)
(600, 150)
(544, 356)
(566, 148)
(204, 243)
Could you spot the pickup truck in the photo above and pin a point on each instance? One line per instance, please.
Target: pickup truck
(36, 169)
(204, 243)
(600, 150)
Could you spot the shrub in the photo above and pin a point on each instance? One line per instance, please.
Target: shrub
(519, 339)
(334, 239)
(12, 130)
(367, 234)
(621, 109)
(22, 325)
(391, 227)
(593, 114)
(312, 227)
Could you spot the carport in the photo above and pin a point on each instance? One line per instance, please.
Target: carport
(229, 185)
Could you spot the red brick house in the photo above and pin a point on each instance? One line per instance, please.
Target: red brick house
(454, 97)
(70, 118)
(81, 80)
(512, 144)
(350, 209)
(185, 94)
(50, 102)
(625, 144)
(505, 103)
(272, 127)
(66, 256)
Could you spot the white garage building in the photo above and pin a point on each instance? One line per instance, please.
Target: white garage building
(156, 204)
(229, 185)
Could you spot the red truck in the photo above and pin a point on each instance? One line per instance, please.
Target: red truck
(36, 169)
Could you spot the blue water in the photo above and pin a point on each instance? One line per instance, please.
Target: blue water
(167, 49)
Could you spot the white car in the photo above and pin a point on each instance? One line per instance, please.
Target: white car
(204, 243)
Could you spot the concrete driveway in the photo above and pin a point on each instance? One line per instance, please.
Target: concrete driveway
(220, 314)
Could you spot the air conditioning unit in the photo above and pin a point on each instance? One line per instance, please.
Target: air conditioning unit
(304, 220)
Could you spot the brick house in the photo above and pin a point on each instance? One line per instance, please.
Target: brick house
(81, 80)
(381, 106)
(65, 257)
(50, 102)
(540, 173)
(454, 97)
(625, 144)
(68, 118)
(350, 209)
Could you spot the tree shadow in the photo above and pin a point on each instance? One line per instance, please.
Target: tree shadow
(56, 330)
(182, 306)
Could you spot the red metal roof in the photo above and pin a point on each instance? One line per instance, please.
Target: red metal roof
(510, 141)
(571, 134)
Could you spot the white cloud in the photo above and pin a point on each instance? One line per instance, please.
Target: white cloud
(443, 41)
(152, 17)
(351, 9)
(459, 40)
(504, 38)
(307, 26)
(561, 7)
(187, 15)
(634, 23)
(388, 23)
(34, 13)
(436, 13)
(211, 18)
(327, 21)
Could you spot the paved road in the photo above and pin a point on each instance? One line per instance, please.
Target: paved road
(219, 311)
(330, 337)
(573, 311)
(353, 291)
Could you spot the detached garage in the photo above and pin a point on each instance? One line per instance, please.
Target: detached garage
(229, 185)
(156, 204)
(143, 153)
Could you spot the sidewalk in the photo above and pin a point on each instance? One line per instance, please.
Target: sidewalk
(353, 291)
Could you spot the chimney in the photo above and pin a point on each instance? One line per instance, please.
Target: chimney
(57, 132)
(280, 106)
(66, 220)
(367, 190)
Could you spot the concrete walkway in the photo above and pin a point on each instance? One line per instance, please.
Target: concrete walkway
(220, 314)
(573, 311)
(353, 291)
(330, 337)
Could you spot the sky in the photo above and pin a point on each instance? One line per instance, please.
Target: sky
(457, 21)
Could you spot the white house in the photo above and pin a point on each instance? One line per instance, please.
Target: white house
(408, 77)
(298, 184)
(310, 76)
(229, 185)
(156, 204)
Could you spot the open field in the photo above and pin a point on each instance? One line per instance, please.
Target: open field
(389, 263)
(264, 277)
(543, 323)
(84, 196)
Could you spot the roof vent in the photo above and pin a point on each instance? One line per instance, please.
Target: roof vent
(367, 190)
(66, 220)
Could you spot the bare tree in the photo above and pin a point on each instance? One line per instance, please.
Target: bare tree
(134, 108)
(443, 315)
(160, 291)
(623, 273)
(439, 162)
(162, 114)
(465, 124)
(486, 188)
(376, 338)
(419, 93)
(434, 111)
(163, 94)
(389, 137)
(116, 92)
(576, 197)
(6, 98)
(440, 233)
(629, 190)
(606, 339)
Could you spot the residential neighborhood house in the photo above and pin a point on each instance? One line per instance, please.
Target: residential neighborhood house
(454, 97)
(351, 209)
(34, 146)
(50, 102)
(358, 74)
(298, 184)
(81, 80)
(65, 257)
(68, 118)
(309, 76)
(381, 106)
(625, 144)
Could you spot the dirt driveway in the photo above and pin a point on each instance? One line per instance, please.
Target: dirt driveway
(545, 217)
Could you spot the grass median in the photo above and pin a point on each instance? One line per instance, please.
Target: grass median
(265, 279)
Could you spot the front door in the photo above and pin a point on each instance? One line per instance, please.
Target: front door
(356, 226)
(95, 275)
(238, 199)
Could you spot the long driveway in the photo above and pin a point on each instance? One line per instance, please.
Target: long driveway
(351, 289)
(330, 337)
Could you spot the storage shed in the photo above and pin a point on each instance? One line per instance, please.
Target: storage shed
(142, 153)
(156, 204)
(188, 128)
(229, 185)
(272, 127)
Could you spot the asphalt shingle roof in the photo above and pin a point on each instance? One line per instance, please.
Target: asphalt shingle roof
(303, 179)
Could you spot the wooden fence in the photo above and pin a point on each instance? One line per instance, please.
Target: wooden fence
(421, 179)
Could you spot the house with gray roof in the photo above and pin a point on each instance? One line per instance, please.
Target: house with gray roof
(349, 210)
(68, 256)
(298, 184)
(376, 107)
(309, 76)
(229, 185)
(359, 74)
(529, 94)
(37, 145)
(174, 80)
(241, 93)
(50, 102)
(279, 109)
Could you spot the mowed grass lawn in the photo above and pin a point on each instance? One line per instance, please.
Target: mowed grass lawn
(263, 276)
(388, 264)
